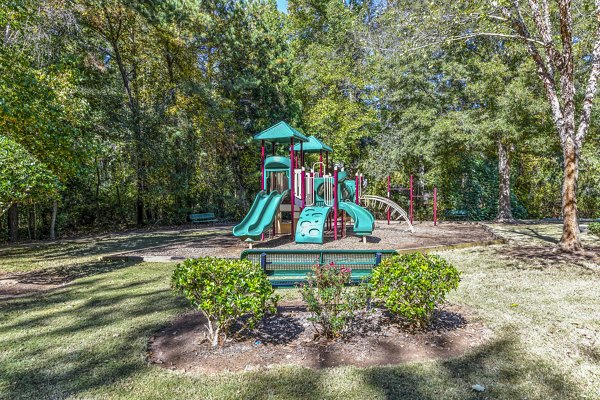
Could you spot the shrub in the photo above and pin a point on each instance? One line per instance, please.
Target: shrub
(411, 285)
(331, 302)
(594, 228)
(225, 290)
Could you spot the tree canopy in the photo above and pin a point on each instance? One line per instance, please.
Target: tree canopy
(135, 113)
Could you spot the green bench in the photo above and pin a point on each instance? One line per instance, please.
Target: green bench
(287, 268)
(457, 214)
(200, 218)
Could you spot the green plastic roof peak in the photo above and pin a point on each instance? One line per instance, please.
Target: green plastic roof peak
(281, 132)
(314, 145)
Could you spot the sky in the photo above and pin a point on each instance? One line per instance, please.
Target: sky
(282, 5)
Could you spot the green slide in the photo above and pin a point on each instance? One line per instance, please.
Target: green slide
(311, 225)
(363, 219)
(261, 214)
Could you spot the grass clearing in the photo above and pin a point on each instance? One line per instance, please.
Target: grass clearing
(88, 339)
(71, 253)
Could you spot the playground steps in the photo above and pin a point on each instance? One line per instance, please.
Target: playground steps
(311, 225)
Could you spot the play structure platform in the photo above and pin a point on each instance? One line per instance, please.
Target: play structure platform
(287, 268)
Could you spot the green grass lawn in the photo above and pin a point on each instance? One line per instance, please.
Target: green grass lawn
(88, 339)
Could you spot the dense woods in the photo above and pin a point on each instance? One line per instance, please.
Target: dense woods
(116, 113)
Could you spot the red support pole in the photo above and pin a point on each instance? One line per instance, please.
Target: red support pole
(360, 183)
(335, 203)
(262, 165)
(312, 182)
(321, 163)
(343, 224)
(301, 154)
(273, 185)
(434, 206)
(389, 211)
(356, 188)
(303, 188)
(326, 163)
(411, 208)
(262, 173)
(292, 195)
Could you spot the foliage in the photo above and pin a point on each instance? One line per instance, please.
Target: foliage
(145, 111)
(412, 285)
(330, 300)
(225, 291)
(594, 228)
(22, 177)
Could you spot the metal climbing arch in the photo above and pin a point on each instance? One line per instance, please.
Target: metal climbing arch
(385, 204)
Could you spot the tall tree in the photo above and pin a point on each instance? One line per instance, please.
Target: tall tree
(549, 33)
(333, 74)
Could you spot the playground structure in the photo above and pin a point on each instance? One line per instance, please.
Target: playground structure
(316, 200)
(394, 211)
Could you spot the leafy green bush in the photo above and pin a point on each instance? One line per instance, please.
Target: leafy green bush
(411, 285)
(331, 302)
(225, 290)
(594, 228)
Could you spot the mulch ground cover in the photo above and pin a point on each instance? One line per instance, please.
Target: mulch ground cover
(289, 338)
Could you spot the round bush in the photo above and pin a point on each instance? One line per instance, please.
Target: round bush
(411, 285)
(224, 290)
(594, 228)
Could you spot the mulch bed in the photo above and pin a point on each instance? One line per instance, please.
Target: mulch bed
(288, 338)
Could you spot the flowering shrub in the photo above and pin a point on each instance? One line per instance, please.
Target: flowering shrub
(411, 285)
(224, 290)
(331, 302)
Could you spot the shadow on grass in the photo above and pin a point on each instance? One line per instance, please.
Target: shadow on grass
(100, 246)
(67, 273)
(533, 257)
(500, 366)
(87, 336)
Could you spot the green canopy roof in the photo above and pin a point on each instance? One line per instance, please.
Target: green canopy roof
(314, 145)
(281, 133)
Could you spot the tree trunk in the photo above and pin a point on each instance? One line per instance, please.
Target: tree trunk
(140, 199)
(35, 234)
(97, 199)
(504, 209)
(13, 223)
(53, 220)
(130, 86)
(570, 237)
(30, 222)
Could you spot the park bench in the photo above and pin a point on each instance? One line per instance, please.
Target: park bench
(287, 268)
(456, 214)
(204, 217)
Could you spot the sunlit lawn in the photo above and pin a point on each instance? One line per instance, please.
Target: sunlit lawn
(88, 339)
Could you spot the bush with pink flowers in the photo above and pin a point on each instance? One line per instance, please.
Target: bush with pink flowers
(333, 304)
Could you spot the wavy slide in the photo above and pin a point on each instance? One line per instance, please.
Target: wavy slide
(363, 219)
(261, 215)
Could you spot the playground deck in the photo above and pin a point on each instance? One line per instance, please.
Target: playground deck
(385, 237)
